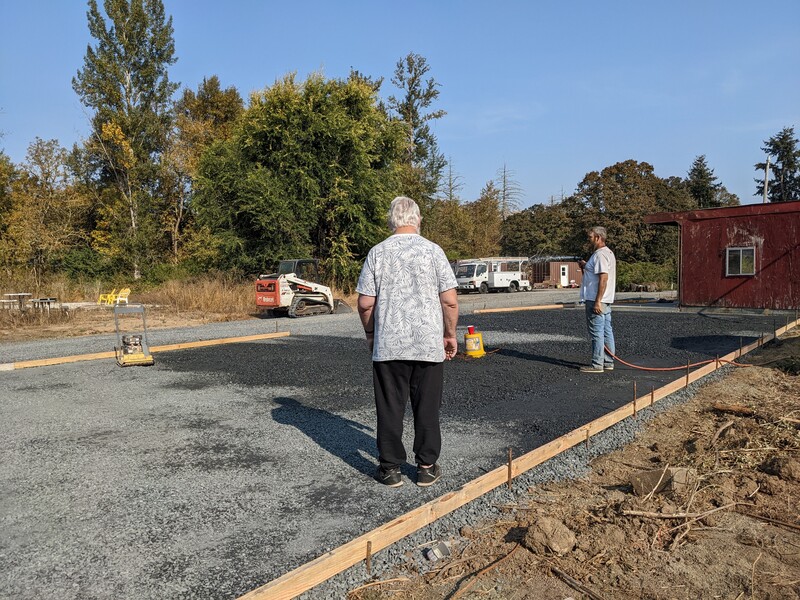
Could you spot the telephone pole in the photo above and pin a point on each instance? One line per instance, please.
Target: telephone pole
(766, 179)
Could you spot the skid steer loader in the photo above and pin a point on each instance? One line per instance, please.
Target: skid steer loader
(292, 291)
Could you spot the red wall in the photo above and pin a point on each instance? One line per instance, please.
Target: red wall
(775, 285)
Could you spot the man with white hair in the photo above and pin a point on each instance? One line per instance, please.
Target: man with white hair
(597, 290)
(409, 309)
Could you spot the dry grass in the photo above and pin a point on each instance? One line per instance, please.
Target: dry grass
(176, 303)
(206, 295)
(66, 290)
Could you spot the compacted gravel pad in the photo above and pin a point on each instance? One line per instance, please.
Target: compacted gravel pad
(221, 468)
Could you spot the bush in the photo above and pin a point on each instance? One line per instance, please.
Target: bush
(645, 273)
(84, 263)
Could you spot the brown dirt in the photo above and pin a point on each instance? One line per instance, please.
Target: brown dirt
(34, 325)
(740, 438)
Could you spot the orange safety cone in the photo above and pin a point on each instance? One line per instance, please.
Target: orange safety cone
(474, 343)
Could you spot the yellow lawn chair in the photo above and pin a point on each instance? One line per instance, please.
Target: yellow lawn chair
(104, 298)
(122, 297)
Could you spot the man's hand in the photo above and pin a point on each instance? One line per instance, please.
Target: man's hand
(598, 308)
(450, 347)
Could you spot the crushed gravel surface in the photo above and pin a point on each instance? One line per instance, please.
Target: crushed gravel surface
(222, 468)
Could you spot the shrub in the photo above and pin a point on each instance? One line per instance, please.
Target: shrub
(644, 273)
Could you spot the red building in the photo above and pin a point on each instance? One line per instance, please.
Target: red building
(738, 256)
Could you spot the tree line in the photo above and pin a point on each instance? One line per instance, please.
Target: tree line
(163, 187)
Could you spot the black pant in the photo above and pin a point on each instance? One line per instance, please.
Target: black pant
(395, 382)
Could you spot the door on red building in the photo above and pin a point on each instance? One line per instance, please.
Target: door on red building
(564, 275)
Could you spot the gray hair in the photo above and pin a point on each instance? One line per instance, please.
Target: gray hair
(403, 212)
(599, 232)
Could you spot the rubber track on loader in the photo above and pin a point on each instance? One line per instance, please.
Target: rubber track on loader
(304, 306)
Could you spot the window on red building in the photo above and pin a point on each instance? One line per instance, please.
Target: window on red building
(741, 261)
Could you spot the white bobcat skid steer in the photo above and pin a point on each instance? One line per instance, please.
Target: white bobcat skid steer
(292, 291)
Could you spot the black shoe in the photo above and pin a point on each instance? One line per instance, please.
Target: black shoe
(428, 475)
(389, 477)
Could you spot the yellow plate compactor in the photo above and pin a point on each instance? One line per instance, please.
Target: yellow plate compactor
(132, 349)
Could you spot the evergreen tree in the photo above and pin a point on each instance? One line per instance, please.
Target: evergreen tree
(702, 183)
(484, 222)
(124, 80)
(784, 166)
(424, 161)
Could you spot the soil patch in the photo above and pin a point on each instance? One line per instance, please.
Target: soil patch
(725, 522)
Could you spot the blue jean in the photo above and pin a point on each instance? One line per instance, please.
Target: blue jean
(601, 333)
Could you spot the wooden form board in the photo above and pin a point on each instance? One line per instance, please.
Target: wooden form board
(337, 560)
(44, 362)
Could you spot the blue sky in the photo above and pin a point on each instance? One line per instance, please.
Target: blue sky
(552, 89)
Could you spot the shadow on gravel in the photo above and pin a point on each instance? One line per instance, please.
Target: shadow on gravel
(540, 358)
(341, 437)
(710, 344)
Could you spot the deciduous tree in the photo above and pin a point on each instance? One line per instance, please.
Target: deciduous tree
(540, 230)
(310, 170)
(202, 118)
(44, 214)
(617, 198)
(124, 80)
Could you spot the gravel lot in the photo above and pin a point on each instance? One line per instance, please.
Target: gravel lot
(219, 469)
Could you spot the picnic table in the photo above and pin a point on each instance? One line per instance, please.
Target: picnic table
(18, 298)
(43, 303)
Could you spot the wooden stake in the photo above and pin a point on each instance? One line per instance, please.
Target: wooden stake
(369, 557)
(740, 347)
(687, 373)
(587, 438)
(716, 362)
(509, 467)
(634, 398)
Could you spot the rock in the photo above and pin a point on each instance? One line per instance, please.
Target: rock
(784, 467)
(549, 534)
(674, 479)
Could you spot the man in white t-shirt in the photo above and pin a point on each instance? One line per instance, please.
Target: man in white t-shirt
(597, 291)
(409, 309)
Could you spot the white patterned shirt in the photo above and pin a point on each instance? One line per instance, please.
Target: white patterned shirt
(406, 273)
